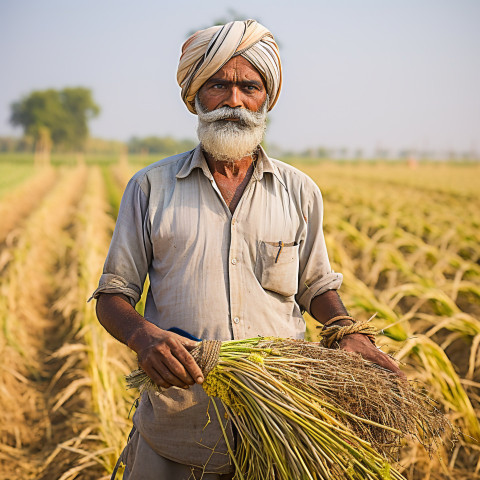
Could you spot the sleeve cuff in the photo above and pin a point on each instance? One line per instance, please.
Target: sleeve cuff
(110, 283)
(330, 281)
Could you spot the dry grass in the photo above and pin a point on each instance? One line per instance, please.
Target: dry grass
(18, 204)
(304, 411)
(405, 240)
(28, 284)
(94, 363)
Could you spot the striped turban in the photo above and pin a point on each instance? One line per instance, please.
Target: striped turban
(207, 51)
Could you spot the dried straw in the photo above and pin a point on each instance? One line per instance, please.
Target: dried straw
(304, 411)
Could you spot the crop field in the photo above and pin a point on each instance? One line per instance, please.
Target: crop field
(406, 240)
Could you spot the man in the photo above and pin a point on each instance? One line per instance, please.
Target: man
(233, 245)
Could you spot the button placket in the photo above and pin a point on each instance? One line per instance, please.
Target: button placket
(235, 275)
(236, 264)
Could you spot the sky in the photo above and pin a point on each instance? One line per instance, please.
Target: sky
(358, 74)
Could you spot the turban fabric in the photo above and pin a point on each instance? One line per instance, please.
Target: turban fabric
(207, 51)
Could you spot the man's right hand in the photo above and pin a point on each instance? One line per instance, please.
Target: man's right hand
(163, 355)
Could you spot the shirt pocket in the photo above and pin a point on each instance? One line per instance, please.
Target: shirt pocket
(277, 267)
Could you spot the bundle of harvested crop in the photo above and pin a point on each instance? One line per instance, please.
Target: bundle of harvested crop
(303, 411)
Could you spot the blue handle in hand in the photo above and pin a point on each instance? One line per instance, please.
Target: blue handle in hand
(183, 333)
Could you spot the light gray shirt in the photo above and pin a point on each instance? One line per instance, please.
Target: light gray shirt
(215, 274)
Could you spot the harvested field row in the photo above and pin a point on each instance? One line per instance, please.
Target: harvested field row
(407, 247)
(449, 178)
(29, 287)
(95, 363)
(13, 175)
(55, 353)
(405, 240)
(19, 202)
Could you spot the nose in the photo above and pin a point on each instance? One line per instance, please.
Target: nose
(233, 98)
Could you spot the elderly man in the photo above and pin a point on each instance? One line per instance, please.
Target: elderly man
(233, 245)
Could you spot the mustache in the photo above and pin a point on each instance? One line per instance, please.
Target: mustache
(243, 117)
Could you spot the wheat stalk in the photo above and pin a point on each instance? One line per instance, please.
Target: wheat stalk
(304, 411)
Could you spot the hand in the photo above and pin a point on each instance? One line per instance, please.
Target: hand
(165, 357)
(356, 342)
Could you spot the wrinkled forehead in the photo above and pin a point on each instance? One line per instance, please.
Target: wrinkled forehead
(238, 69)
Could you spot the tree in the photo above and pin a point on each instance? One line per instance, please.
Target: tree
(60, 115)
(80, 106)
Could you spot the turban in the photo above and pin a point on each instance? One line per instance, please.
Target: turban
(207, 51)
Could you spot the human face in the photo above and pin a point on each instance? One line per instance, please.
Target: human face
(238, 84)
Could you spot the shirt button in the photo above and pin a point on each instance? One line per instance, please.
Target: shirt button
(234, 261)
(236, 320)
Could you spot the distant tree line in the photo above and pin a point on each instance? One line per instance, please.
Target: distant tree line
(167, 145)
(159, 145)
(91, 145)
(344, 153)
(15, 144)
(136, 145)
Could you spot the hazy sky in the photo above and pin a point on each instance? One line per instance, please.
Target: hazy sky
(357, 73)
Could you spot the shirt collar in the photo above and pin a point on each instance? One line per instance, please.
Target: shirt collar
(265, 165)
(196, 159)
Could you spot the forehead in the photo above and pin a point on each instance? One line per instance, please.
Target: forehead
(238, 67)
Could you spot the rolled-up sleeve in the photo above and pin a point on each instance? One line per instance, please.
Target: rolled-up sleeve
(130, 251)
(315, 275)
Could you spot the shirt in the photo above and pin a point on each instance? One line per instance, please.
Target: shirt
(215, 274)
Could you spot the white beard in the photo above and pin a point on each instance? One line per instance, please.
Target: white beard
(230, 141)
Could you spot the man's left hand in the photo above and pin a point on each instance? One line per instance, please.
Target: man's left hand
(356, 342)
(329, 305)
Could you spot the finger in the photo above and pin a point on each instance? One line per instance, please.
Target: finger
(158, 367)
(166, 368)
(186, 342)
(360, 344)
(386, 362)
(156, 377)
(176, 366)
(163, 358)
(190, 365)
(389, 364)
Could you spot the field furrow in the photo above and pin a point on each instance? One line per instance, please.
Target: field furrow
(29, 288)
(22, 201)
(407, 246)
(12, 175)
(94, 363)
(406, 241)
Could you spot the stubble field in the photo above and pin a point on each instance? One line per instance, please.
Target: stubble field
(405, 239)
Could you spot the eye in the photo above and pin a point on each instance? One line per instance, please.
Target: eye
(251, 88)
